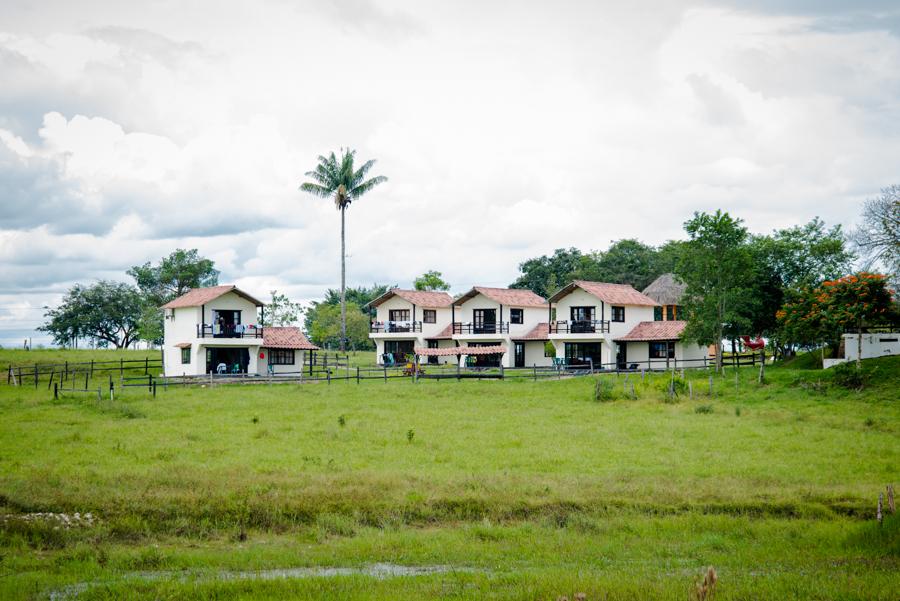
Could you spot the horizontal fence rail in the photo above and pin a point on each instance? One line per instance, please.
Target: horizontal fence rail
(19, 375)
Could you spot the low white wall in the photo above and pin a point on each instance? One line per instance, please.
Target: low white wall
(873, 345)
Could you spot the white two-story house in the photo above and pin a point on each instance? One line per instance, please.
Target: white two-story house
(506, 317)
(590, 316)
(217, 330)
(407, 319)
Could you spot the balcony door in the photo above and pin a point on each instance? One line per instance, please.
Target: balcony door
(520, 354)
(484, 321)
(582, 319)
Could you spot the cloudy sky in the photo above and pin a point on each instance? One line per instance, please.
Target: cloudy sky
(507, 129)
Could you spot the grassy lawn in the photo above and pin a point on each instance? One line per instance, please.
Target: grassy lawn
(501, 489)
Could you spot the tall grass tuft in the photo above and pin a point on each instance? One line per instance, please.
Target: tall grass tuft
(603, 390)
(705, 587)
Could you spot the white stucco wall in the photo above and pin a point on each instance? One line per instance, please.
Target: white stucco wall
(873, 345)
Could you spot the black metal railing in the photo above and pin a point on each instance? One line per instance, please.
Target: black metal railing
(207, 330)
(481, 328)
(389, 327)
(579, 326)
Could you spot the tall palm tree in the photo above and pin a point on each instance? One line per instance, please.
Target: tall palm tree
(339, 178)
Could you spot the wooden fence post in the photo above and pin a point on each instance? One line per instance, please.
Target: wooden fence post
(357, 374)
(890, 495)
(55, 392)
(92, 368)
(52, 373)
(86, 378)
(67, 372)
(501, 370)
(535, 372)
(20, 377)
(154, 390)
(328, 376)
(879, 515)
(35, 375)
(9, 374)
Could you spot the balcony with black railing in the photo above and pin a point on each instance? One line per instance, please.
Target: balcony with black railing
(392, 327)
(481, 328)
(208, 330)
(580, 326)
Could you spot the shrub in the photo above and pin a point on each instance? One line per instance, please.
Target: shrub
(410, 434)
(604, 390)
(342, 421)
(703, 409)
(847, 375)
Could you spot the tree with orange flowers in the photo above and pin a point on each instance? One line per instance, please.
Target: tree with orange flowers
(850, 302)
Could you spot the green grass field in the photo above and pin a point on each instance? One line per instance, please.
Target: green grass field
(495, 489)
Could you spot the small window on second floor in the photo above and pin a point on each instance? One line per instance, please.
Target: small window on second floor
(657, 313)
(671, 312)
(429, 316)
(185, 355)
(618, 313)
(517, 316)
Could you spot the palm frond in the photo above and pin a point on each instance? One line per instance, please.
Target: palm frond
(367, 185)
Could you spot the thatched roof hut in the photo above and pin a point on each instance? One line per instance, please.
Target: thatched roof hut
(666, 290)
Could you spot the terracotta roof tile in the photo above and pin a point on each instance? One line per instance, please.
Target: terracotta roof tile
(654, 330)
(510, 297)
(201, 296)
(540, 332)
(498, 349)
(614, 294)
(286, 337)
(420, 298)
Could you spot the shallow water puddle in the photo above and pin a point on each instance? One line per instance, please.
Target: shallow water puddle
(375, 570)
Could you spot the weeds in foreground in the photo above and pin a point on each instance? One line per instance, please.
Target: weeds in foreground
(705, 588)
(603, 390)
(704, 409)
(410, 434)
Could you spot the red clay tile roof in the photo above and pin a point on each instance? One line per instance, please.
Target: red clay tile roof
(445, 334)
(420, 298)
(201, 296)
(540, 332)
(286, 337)
(510, 297)
(614, 294)
(497, 349)
(654, 330)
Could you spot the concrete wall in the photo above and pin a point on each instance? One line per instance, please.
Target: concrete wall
(873, 345)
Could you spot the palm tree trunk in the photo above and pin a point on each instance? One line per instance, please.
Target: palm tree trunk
(343, 286)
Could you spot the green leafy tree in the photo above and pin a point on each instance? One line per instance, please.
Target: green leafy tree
(325, 326)
(108, 312)
(878, 236)
(341, 180)
(431, 280)
(547, 274)
(804, 320)
(628, 262)
(717, 268)
(174, 275)
(360, 296)
(789, 261)
(281, 311)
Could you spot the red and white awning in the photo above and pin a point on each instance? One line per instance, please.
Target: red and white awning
(497, 349)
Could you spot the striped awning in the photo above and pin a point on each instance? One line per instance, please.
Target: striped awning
(498, 349)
